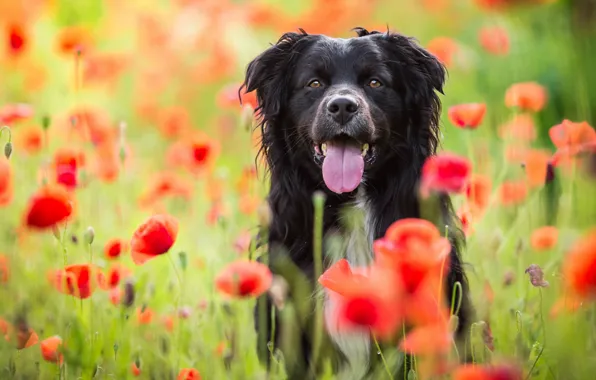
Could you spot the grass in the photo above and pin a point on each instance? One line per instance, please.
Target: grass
(218, 339)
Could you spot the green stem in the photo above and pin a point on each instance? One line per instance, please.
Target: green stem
(7, 129)
(319, 204)
(385, 365)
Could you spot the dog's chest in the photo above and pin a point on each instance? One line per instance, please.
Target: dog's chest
(358, 234)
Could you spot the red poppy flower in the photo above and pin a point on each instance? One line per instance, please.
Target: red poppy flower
(136, 371)
(4, 269)
(114, 276)
(445, 172)
(572, 139)
(66, 163)
(513, 192)
(579, 266)
(494, 40)
(425, 340)
(144, 315)
(520, 129)
(467, 116)
(244, 279)
(17, 39)
(114, 248)
(478, 191)
(444, 48)
(488, 372)
(165, 185)
(116, 296)
(529, 96)
(49, 206)
(50, 349)
(6, 182)
(74, 39)
(465, 216)
(568, 303)
(153, 238)
(79, 280)
(544, 238)
(12, 113)
(188, 374)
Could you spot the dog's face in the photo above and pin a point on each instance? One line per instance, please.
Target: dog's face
(345, 107)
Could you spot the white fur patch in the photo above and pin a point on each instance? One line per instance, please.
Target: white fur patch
(358, 251)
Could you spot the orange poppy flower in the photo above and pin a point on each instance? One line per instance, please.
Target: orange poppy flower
(445, 172)
(426, 340)
(6, 182)
(153, 238)
(166, 184)
(444, 48)
(467, 116)
(488, 372)
(26, 338)
(74, 39)
(4, 269)
(573, 138)
(568, 303)
(174, 122)
(494, 40)
(79, 280)
(248, 204)
(49, 206)
(520, 129)
(13, 113)
(93, 125)
(188, 374)
(5, 328)
(244, 279)
(536, 165)
(579, 266)
(114, 248)
(136, 371)
(168, 322)
(513, 192)
(478, 191)
(144, 315)
(17, 39)
(50, 349)
(544, 238)
(29, 140)
(529, 96)
(516, 153)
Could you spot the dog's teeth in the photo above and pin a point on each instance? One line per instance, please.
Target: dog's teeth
(364, 149)
(324, 149)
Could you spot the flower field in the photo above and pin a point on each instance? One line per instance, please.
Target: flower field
(131, 191)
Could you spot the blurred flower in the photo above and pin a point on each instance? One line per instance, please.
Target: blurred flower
(4, 269)
(520, 128)
(174, 122)
(114, 248)
(229, 97)
(536, 276)
(244, 279)
(136, 371)
(26, 337)
(494, 40)
(16, 39)
(513, 192)
(6, 181)
(566, 303)
(467, 116)
(114, 275)
(478, 191)
(144, 315)
(168, 322)
(242, 243)
(444, 48)
(248, 204)
(79, 280)
(48, 206)
(29, 140)
(12, 113)
(164, 185)
(465, 216)
(425, 340)
(488, 372)
(188, 374)
(445, 172)
(529, 96)
(536, 165)
(50, 349)
(66, 163)
(571, 140)
(102, 68)
(73, 39)
(153, 238)
(515, 153)
(544, 238)
(579, 266)
(116, 296)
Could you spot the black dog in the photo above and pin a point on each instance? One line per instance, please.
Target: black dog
(356, 119)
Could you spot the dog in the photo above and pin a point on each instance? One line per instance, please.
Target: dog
(354, 119)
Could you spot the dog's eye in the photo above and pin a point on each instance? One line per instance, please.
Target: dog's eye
(315, 84)
(374, 83)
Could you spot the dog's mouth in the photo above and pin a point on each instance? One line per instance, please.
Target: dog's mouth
(343, 160)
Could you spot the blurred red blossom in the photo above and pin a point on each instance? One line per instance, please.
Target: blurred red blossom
(153, 238)
(445, 172)
(188, 374)
(50, 205)
(503, 371)
(12, 113)
(528, 96)
(579, 266)
(467, 116)
(244, 279)
(444, 48)
(79, 280)
(50, 349)
(494, 40)
(6, 181)
(114, 248)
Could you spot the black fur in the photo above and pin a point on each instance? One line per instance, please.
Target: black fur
(405, 114)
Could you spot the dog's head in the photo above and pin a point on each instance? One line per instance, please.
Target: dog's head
(345, 109)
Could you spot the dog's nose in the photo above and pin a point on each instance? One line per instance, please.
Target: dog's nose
(342, 109)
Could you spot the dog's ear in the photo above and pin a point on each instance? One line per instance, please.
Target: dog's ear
(268, 75)
(421, 75)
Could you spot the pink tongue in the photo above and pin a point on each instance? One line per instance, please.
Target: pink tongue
(343, 167)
